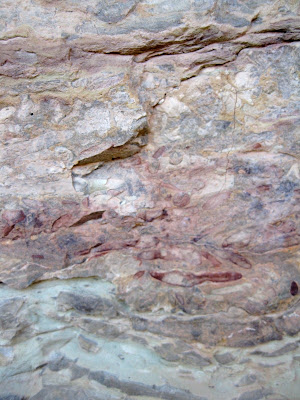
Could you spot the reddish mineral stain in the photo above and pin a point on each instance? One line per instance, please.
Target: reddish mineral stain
(189, 279)
(83, 252)
(13, 217)
(37, 256)
(139, 274)
(136, 160)
(90, 217)
(7, 229)
(211, 258)
(181, 199)
(239, 260)
(99, 254)
(294, 288)
(159, 152)
(61, 222)
(10, 219)
(264, 188)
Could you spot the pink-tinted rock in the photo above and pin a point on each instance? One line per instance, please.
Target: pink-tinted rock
(181, 199)
(149, 198)
(12, 217)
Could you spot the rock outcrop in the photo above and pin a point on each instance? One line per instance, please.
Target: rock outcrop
(149, 197)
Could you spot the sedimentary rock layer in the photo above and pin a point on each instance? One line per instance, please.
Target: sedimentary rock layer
(149, 225)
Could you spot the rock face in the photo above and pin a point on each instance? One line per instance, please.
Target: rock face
(149, 197)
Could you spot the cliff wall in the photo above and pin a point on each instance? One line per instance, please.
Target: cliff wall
(149, 198)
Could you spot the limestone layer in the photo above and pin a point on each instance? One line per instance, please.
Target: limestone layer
(149, 200)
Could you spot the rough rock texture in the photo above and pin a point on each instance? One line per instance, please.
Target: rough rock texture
(149, 200)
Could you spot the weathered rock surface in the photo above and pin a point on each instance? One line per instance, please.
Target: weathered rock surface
(149, 198)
